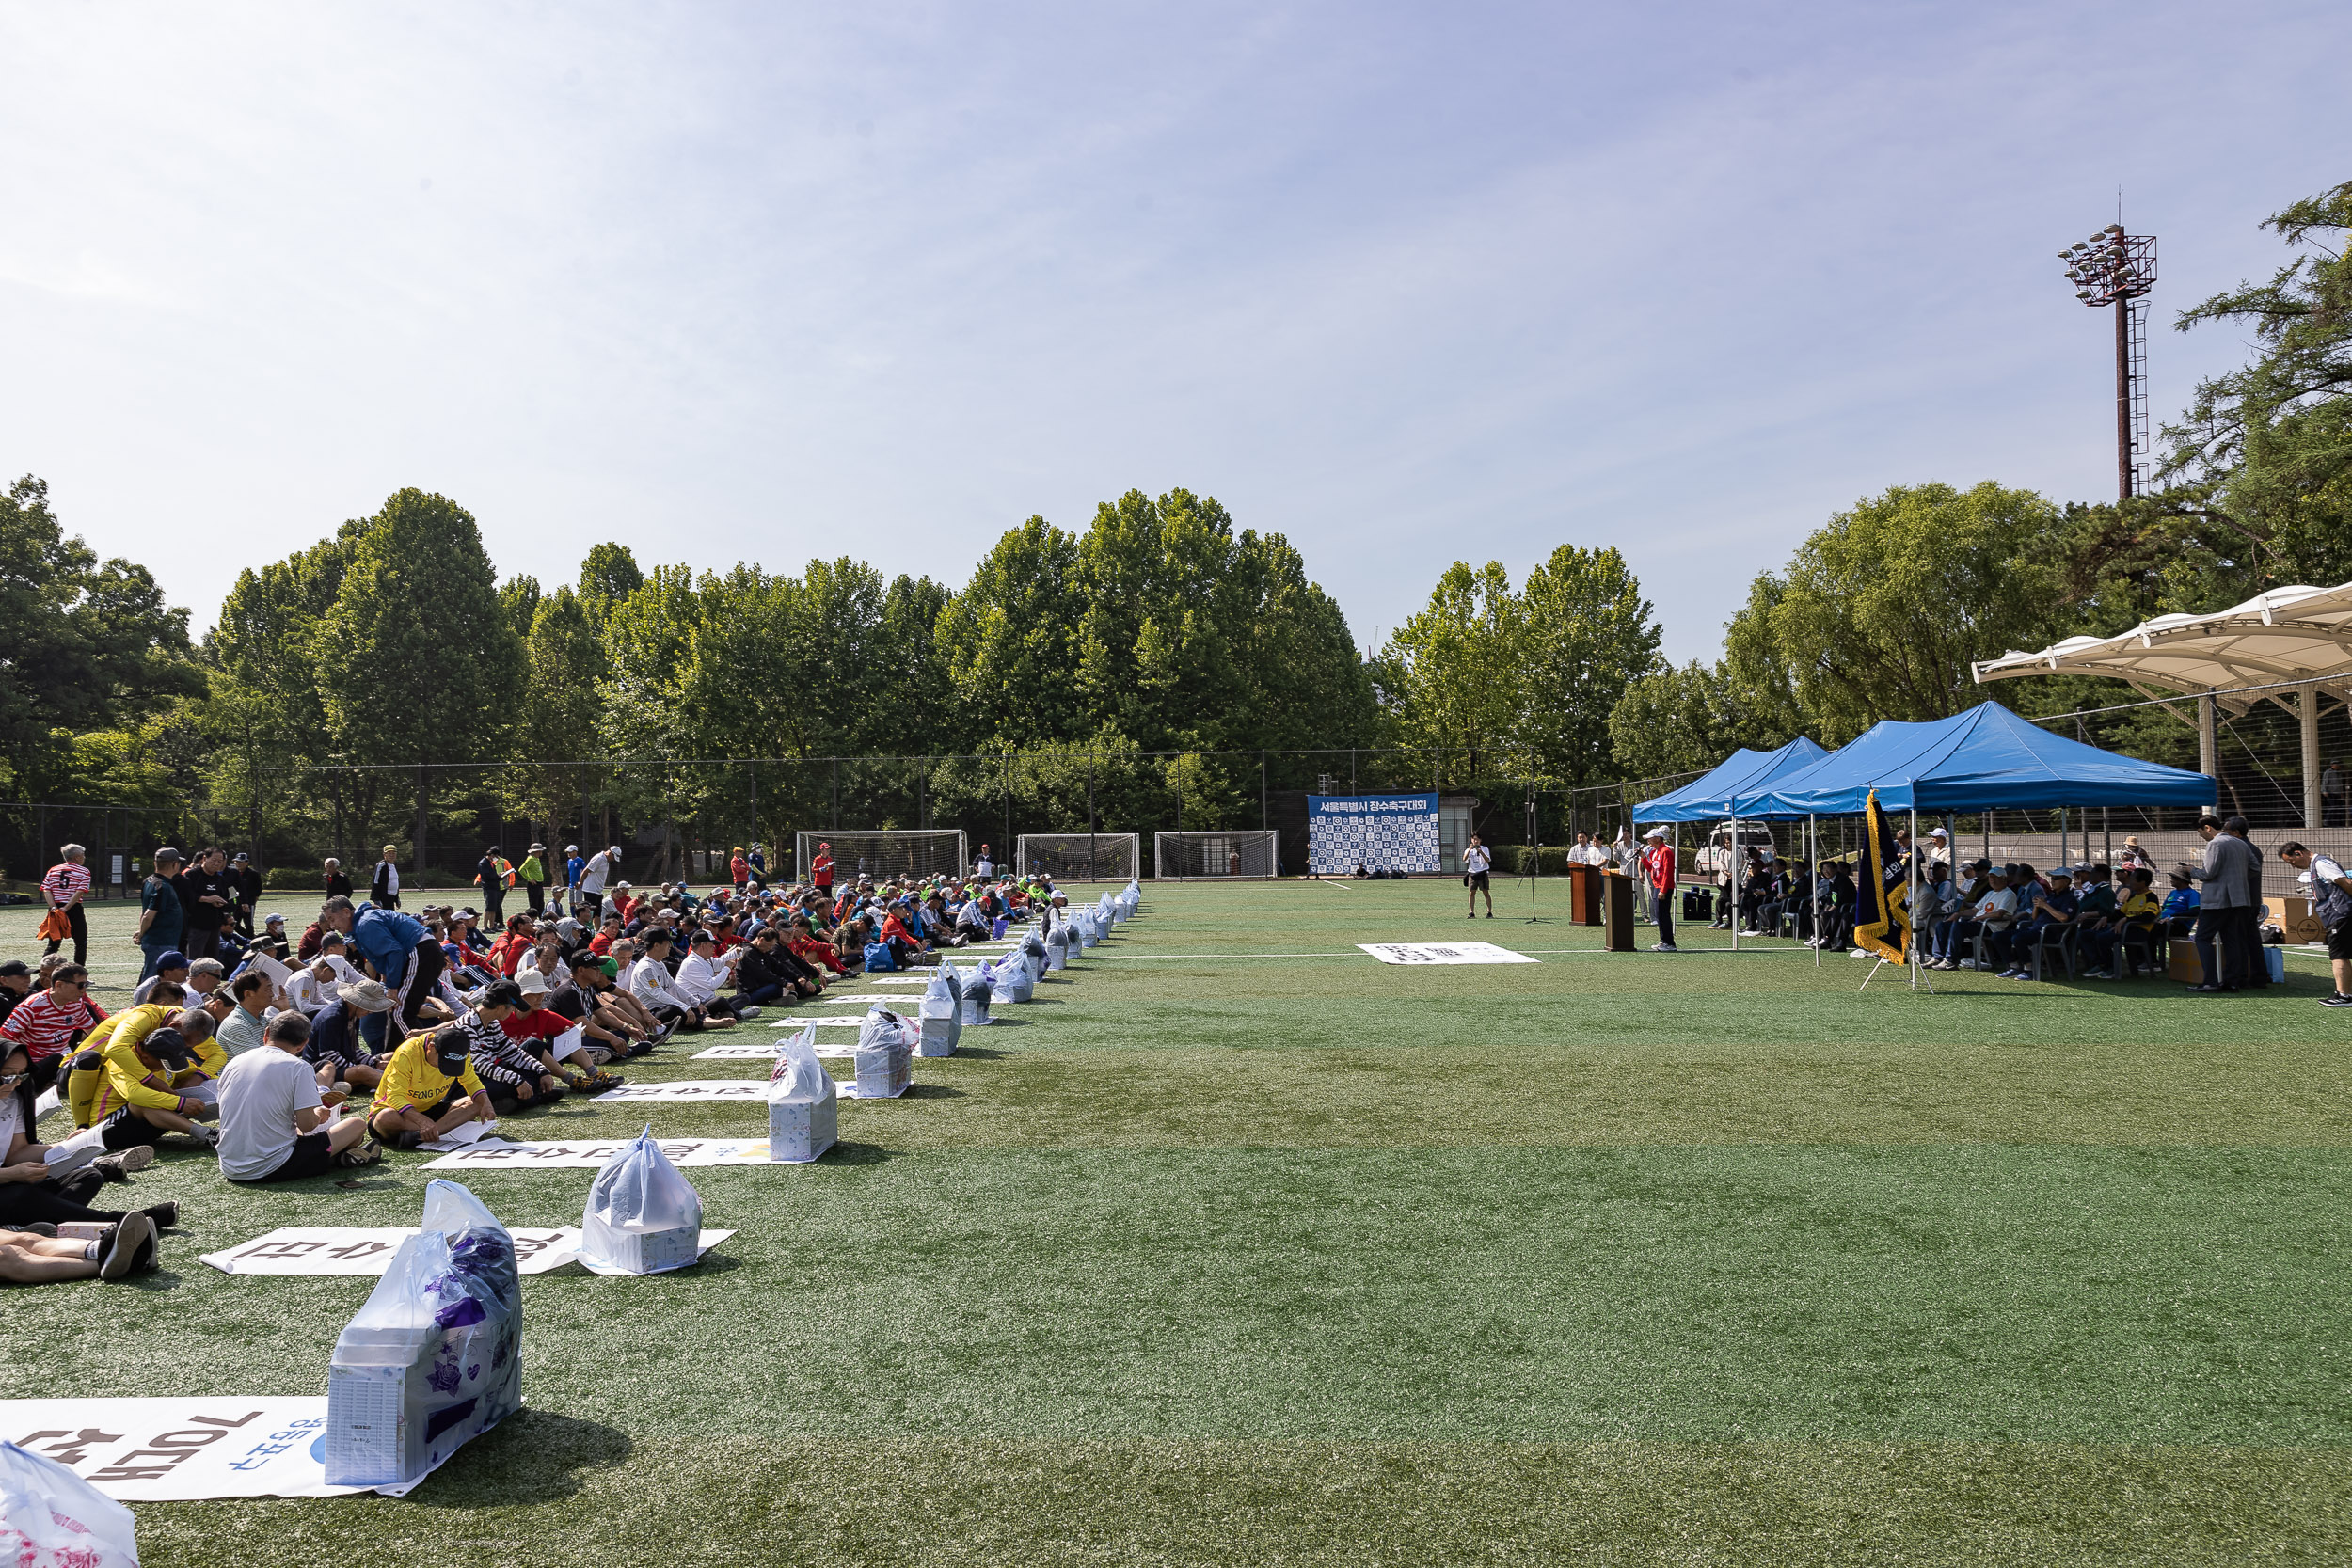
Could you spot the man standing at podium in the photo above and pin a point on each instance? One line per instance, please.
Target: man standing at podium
(1658, 869)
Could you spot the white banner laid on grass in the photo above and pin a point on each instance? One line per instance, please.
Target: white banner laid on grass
(689, 1089)
(311, 1249)
(769, 1053)
(842, 1020)
(1443, 953)
(878, 996)
(160, 1449)
(594, 1153)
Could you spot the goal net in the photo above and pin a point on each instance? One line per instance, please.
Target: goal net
(882, 852)
(1081, 857)
(1221, 853)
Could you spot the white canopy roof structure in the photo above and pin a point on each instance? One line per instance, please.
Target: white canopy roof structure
(2286, 635)
(2291, 646)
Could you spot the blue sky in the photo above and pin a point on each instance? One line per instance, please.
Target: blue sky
(1406, 284)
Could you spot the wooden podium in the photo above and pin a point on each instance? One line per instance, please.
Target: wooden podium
(1584, 894)
(1616, 905)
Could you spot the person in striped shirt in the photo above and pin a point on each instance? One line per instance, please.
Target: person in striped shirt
(65, 886)
(48, 1023)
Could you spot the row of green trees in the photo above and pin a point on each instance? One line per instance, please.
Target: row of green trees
(384, 681)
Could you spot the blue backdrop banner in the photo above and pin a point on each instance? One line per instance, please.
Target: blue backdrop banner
(1379, 833)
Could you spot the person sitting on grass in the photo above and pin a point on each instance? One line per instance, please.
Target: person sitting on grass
(429, 1087)
(172, 969)
(128, 1248)
(542, 1032)
(85, 1073)
(338, 1050)
(52, 1021)
(241, 1031)
(904, 943)
(507, 953)
(310, 988)
(2048, 911)
(770, 972)
(615, 1027)
(651, 982)
(516, 1079)
(167, 1081)
(53, 1183)
(704, 975)
(273, 1115)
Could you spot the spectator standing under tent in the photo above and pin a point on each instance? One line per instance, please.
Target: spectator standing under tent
(65, 887)
(2225, 911)
(383, 888)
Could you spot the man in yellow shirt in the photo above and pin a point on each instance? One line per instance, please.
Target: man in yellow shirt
(428, 1088)
(161, 1082)
(2135, 912)
(85, 1072)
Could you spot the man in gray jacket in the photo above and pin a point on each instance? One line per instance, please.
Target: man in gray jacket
(2227, 909)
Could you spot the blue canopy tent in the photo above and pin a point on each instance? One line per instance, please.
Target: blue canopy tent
(1985, 759)
(1708, 797)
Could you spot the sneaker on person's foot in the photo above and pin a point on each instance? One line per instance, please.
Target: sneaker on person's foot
(119, 1166)
(165, 1215)
(747, 1012)
(118, 1250)
(1663, 947)
(35, 1227)
(2337, 1000)
(145, 1258)
(408, 1138)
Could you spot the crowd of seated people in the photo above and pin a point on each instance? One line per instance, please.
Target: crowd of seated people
(382, 1028)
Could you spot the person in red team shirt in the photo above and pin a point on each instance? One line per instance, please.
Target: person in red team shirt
(1658, 865)
(820, 869)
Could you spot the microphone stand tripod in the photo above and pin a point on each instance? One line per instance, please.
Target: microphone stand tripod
(1533, 867)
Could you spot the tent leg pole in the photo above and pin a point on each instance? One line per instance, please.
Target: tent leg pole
(1731, 884)
(1911, 903)
(1813, 868)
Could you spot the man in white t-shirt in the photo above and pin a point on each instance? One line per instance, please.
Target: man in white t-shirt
(1476, 862)
(593, 878)
(273, 1117)
(2331, 901)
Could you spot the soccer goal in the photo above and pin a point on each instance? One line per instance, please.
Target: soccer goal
(1195, 856)
(879, 852)
(1081, 857)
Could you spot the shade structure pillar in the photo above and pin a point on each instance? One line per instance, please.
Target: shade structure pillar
(1911, 902)
(2208, 748)
(1731, 915)
(2307, 724)
(1813, 880)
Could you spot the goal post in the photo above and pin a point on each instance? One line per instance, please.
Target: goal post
(880, 852)
(1217, 854)
(1080, 857)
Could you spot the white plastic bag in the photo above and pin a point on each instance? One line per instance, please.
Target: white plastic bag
(433, 1356)
(803, 1106)
(643, 1216)
(52, 1518)
(1014, 983)
(942, 1011)
(885, 1054)
(1057, 948)
(975, 986)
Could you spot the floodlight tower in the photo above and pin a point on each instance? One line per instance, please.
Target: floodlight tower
(2115, 268)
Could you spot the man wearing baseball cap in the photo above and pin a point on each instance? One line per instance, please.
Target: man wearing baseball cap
(1658, 870)
(429, 1087)
(820, 869)
(162, 1082)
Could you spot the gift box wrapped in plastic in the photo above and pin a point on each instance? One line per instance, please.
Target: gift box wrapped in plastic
(643, 1216)
(803, 1104)
(433, 1356)
(885, 1055)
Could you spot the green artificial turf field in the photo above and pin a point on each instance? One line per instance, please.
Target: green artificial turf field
(1238, 1246)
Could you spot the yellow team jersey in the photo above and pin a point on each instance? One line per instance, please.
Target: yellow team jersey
(82, 1086)
(411, 1080)
(2138, 907)
(129, 1081)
